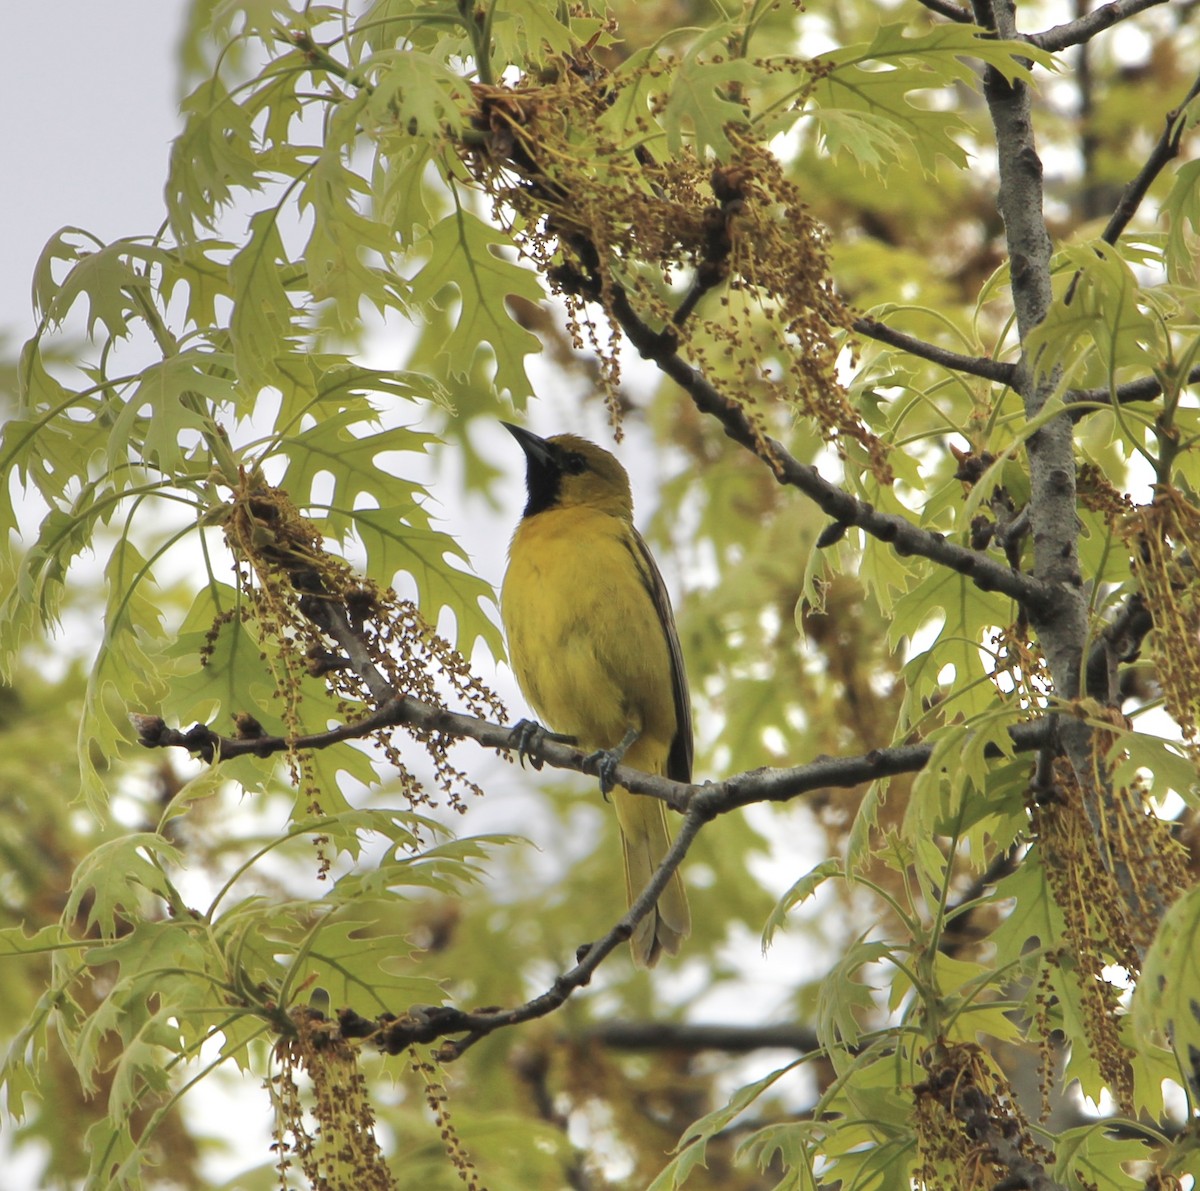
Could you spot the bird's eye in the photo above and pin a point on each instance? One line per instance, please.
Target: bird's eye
(573, 463)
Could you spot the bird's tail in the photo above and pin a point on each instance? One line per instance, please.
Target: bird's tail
(646, 839)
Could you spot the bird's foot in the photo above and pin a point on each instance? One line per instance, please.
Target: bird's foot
(605, 761)
(528, 736)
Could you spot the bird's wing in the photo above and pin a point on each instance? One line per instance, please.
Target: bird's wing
(679, 760)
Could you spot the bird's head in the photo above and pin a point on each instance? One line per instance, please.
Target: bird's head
(568, 471)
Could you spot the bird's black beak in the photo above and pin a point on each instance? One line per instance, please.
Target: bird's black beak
(537, 450)
(543, 469)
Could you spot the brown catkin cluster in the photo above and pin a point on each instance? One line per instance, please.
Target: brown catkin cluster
(1164, 537)
(584, 196)
(439, 1106)
(287, 578)
(1096, 923)
(962, 1111)
(341, 1153)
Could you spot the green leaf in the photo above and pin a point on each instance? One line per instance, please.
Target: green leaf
(114, 879)
(160, 417)
(870, 86)
(329, 452)
(702, 99)
(262, 325)
(1182, 210)
(211, 158)
(691, 1147)
(418, 94)
(106, 278)
(1034, 915)
(1166, 1004)
(401, 540)
(358, 955)
(1089, 1157)
(1109, 323)
(843, 999)
(800, 892)
(874, 140)
(968, 613)
(465, 254)
(218, 665)
(347, 249)
(14, 940)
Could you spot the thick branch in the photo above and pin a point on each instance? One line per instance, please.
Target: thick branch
(1061, 624)
(994, 370)
(1086, 27)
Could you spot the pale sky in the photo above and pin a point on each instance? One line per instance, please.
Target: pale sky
(88, 102)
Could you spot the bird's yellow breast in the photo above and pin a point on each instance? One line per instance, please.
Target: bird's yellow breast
(584, 636)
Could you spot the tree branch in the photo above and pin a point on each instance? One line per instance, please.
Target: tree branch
(995, 370)
(1070, 33)
(424, 1024)
(1146, 388)
(1061, 624)
(665, 1035)
(986, 573)
(1121, 641)
(949, 10)
(743, 789)
(1165, 150)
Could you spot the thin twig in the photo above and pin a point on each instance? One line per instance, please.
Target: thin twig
(949, 10)
(1164, 151)
(1086, 27)
(994, 370)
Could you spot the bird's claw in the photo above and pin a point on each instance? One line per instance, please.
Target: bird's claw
(528, 736)
(605, 762)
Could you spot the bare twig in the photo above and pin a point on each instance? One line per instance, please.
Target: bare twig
(949, 10)
(1147, 388)
(1086, 27)
(995, 370)
(686, 1036)
(1165, 150)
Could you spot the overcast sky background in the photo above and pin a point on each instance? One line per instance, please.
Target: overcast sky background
(88, 95)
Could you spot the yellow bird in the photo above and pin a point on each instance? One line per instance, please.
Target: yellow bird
(593, 644)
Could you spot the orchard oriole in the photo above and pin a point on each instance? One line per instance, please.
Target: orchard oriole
(593, 644)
